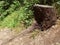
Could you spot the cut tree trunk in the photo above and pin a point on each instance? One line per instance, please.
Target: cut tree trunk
(44, 15)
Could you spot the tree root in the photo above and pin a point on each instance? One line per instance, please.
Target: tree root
(24, 32)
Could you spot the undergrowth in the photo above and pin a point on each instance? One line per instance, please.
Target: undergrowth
(16, 12)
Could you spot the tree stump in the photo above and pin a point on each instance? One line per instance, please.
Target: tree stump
(44, 15)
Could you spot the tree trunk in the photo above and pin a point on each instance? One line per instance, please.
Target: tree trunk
(45, 16)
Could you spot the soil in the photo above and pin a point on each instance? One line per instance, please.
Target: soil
(47, 37)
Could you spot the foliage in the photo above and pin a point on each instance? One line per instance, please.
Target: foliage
(14, 12)
(58, 7)
(48, 2)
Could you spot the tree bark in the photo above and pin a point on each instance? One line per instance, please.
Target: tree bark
(44, 15)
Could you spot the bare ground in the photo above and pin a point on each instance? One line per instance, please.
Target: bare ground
(48, 37)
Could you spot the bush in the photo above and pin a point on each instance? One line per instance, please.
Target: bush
(14, 12)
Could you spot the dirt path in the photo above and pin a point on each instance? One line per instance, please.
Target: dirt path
(49, 37)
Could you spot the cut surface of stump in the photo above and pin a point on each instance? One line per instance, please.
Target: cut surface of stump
(44, 15)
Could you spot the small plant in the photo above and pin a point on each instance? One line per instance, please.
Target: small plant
(34, 33)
